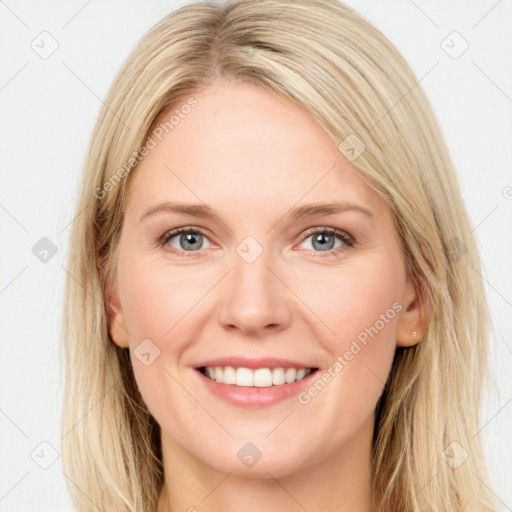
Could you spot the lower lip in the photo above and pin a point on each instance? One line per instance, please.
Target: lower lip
(254, 396)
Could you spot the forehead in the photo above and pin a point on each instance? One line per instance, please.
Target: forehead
(244, 145)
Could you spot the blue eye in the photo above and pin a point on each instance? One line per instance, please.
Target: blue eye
(324, 240)
(186, 241)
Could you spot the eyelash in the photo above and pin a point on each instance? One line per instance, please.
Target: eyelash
(347, 240)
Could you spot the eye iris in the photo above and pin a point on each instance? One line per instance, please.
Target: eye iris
(188, 240)
(321, 238)
(193, 240)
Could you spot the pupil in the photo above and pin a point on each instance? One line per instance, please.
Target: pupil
(190, 239)
(321, 238)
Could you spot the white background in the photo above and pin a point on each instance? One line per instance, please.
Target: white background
(48, 108)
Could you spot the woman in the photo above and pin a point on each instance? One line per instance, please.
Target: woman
(268, 302)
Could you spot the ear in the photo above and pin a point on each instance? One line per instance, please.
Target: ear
(413, 320)
(115, 319)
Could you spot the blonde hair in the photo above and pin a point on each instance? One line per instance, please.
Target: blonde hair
(326, 58)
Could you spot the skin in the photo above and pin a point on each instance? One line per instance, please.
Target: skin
(252, 156)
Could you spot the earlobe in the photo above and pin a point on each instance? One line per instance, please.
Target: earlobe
(115, 319)
(413, 319)
(116, 324)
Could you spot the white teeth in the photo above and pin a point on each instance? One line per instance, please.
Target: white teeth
(228, 375)
(290, 374)
(260, 378)
(278, 376)
(244, 377)
(301, 374)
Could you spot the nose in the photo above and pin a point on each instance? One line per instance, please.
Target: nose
(255, 300)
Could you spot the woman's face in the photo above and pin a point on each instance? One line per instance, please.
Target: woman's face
(256, 278)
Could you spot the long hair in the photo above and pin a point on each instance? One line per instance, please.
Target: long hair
(327, 59)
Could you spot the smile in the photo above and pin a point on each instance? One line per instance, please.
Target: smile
(260, 377)
(258, 387)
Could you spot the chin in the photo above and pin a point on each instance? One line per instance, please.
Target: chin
(248, 459)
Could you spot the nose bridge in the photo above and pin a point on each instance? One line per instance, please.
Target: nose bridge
(254, 297)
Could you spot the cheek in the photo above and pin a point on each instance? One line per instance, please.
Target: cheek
(156, 314)
(162, 304)
(159, 300)
(349, 299)
(357, 308)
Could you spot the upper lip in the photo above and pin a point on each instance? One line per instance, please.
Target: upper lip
(261, 362)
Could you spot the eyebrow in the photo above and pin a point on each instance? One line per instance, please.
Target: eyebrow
(298, 213)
